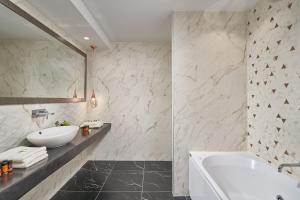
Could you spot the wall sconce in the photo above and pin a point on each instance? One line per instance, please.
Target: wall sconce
(93, 100)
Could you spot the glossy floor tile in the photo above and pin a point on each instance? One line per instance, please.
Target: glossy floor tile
(99, 165)
(157, 196)
(157, 181)
(76, 195)
(130, 165)
(119, 196)
(85, 180)
(158, 166)
(124, 181)
(120, 180)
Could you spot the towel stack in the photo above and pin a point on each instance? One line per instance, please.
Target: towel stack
(24, 157)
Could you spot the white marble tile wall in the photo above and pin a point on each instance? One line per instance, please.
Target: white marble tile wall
(133, 88)
(16, 123)
(132, 83)
(274, 81)
(209, 87)
(40, 68)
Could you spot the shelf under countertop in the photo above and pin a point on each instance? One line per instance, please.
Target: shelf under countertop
(21, 181)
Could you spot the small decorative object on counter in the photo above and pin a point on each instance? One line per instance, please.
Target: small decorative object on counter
(4, 167)
(85, 130)
(64, 123)
(57, 123)
(10, 166)
(92, 124)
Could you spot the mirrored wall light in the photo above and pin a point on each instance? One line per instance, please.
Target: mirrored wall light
(93, 100)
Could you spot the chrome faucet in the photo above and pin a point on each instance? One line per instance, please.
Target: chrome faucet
(283, 165)
(40, 113)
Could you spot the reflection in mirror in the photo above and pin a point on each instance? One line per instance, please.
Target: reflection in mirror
(35, 64)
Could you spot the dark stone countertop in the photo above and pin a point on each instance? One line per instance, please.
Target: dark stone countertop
(18, 183)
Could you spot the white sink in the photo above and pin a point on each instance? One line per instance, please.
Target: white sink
(53, 137)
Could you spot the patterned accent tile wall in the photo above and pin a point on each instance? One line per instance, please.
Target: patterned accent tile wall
(274, 81)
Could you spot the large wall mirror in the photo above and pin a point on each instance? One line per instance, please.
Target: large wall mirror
(36, 64)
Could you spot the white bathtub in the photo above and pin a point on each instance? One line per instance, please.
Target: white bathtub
(237, 176)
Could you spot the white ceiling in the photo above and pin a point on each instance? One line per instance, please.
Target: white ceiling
(128, 20)
(14, 27)
(150, 20)
(65, 16)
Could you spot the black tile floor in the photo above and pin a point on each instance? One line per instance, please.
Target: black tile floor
(120, 180)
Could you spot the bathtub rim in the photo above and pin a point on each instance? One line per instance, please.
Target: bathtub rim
(199, 157)
(195, 155)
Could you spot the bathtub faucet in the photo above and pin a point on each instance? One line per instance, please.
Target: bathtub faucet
(283, 165)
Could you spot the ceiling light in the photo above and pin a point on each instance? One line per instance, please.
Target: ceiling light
(86, 38)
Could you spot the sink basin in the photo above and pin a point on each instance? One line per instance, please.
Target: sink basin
(53, 137)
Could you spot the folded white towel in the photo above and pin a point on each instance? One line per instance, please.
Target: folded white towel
(32, 157)
(29, 163)
(21, 153)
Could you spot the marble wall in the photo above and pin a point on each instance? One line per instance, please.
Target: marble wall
(209, 75)
(16, 123)
(40, 68)
(132, 83)
(209, 87)
(274, 81)
(133, 87)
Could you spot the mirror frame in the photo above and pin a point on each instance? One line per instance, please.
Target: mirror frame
(40, 100)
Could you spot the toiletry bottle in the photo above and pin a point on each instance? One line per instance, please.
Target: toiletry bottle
(85, 130)
(4, 167)
(10, 166)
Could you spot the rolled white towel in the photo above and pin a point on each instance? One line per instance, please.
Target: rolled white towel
(21, 153)
(29, 162)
